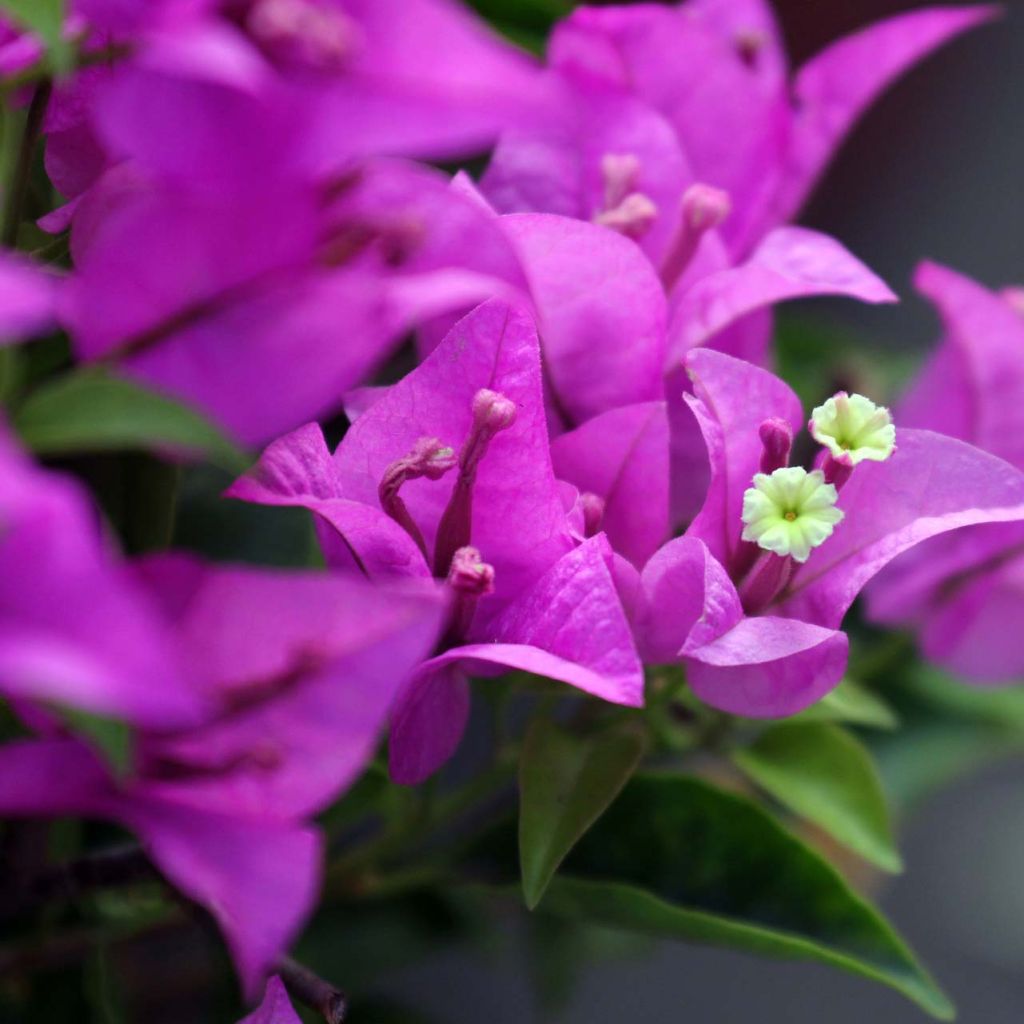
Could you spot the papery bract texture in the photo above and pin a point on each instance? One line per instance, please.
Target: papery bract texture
(962, 594)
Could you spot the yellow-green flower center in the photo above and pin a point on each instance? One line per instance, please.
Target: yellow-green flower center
(790, 512)
(853, 426)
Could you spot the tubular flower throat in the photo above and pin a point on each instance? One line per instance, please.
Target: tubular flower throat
(790, 512)
(854, 427)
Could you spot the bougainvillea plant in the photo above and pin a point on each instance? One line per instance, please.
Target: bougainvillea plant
(402, 521)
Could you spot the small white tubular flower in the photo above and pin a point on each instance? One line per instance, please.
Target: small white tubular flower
(853, 425)
(790, 512)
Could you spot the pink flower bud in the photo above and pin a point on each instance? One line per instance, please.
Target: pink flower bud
(777, 442)
(593, 513)
(469, 574)
(429, 458)
(703, 208)
(620, 172)
(492, 412)
(633, 217)
(837, 469)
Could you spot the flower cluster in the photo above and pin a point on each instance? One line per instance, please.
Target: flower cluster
(581, 464)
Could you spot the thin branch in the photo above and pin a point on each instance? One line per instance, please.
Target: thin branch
(23, 168)
(313, 991)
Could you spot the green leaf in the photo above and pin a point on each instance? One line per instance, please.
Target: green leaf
(44, 17)
(850, 702)
(109, 736)
(949, 729)
(90, 411)
(9, 376)
(921, 760)
(823, 774)
(1003, 708)
(565, 784)
(677, 858)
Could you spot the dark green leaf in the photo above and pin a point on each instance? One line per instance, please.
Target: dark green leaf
(823, 774)
(89, 411)
(850, 702)
(9, 376)
(678, 858)
(565, 783)
(111, 738)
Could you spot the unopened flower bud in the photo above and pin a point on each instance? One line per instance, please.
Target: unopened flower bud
(432, 459)
(428, 458)
(620, 172)
(470, 578)
(853, 425)
(592, 506)
(633, 217)
(703, 208)
(469, 574)
(305, 33)
(492, 412)
(776, 444)
(837, 470)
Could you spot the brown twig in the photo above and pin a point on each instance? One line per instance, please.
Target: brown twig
(313, 991)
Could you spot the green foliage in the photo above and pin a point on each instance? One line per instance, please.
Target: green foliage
(46, 19)
(92, 411)
(949, 729)
(108, 736)
(9, 374)
(823, 774)
(677, 858)
(524, 21)
(817, 357)
(853, 704)
(565, 784)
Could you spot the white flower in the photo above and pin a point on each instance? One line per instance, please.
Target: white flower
(790, 512)
(854, 426)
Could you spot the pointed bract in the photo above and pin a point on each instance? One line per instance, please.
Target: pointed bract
(601, 312)
(518, 519)
(790, 263)
(276, 1008)
(836, 87)
(767, 667)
